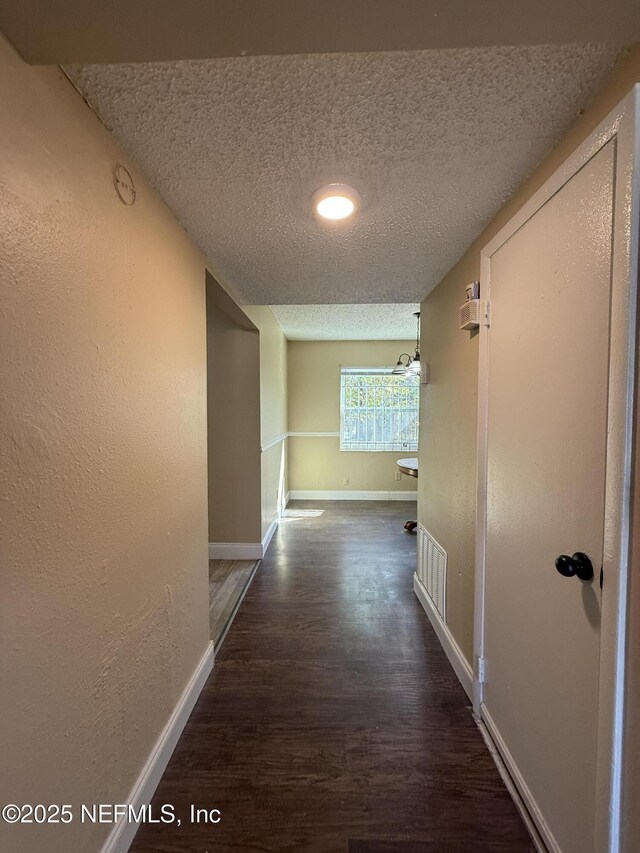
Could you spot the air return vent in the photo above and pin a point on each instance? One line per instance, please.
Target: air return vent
(432, 569)
(470, 315)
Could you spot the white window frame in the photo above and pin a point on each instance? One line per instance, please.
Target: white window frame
(374, 445)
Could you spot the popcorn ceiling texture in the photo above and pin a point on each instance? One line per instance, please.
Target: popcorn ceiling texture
(370, 322)
(434, 142)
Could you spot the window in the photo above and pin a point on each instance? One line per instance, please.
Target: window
(378, 411)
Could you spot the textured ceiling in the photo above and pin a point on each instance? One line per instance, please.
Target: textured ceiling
(433, 141)
(347, 322)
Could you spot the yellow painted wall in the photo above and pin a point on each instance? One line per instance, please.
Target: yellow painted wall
(273, 410)
(448, 407)
(316, 463)
(103, 476)
(233, 406)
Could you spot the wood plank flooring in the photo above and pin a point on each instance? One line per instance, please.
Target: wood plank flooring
(227, 582)
(333, 722)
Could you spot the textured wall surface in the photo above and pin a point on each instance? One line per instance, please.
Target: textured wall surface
(317, 463)
(434, 142)
(447, 453)
(103, 487)
(448, 425)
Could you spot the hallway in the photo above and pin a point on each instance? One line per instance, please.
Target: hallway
(332, 721)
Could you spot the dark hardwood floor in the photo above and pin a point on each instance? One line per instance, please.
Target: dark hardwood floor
(332, 720)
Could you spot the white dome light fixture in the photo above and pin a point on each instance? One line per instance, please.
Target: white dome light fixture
(335, 202)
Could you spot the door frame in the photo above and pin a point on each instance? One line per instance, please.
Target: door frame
(621, 126)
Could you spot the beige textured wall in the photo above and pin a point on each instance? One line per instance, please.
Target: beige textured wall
(314, 406)
(102, 460)
(233, 405)
(273, 409)
(448, 423)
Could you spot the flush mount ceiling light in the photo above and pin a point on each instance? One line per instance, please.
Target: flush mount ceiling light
(337, 201)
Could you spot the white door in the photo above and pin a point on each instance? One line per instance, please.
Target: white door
(548, 361)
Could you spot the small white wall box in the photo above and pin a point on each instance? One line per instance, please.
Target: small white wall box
(473, 290)
(470, 315)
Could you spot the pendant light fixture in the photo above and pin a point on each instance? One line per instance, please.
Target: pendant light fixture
(401, 369)
(412, 367)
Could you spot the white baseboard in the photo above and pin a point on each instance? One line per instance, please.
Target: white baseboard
(235, 550)
(243, 550)
(268, 536)
(520, 793)
(287, 498)
(346, 495)
(123, 832)
(452, 650)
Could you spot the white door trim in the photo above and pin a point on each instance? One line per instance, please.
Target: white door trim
(621, 126)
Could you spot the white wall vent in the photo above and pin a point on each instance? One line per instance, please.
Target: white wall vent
(470, 315)
(432, 569)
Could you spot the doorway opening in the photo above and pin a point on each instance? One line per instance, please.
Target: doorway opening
(234, 463)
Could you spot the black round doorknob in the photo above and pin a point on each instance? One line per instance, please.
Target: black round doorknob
(578, 564)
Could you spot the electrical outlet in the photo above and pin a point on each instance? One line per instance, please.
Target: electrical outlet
(345, 481)
(398, 476)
